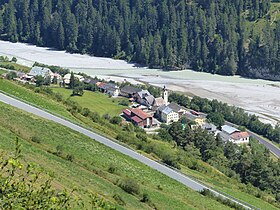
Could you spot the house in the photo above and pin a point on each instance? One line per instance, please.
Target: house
(129, 91)
(234, 135)
(170, 113)
(111, 89)
(195, 117)
(40, 71)
(91, 81)
(67, 77)
(144, 97)
(210, 128)
(138, 117)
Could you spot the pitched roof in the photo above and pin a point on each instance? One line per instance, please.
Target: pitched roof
(228, 129)
(175, 107)
(130, 89)
(39, 71)
(239, 135)
(91, 81)
(167, 110)
(159, 102)
(140, 113)
(100, 84)
(127, 112)
(150, 99)
(143, 93)
(136, 119)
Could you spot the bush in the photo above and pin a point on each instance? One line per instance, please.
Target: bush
(36, 139)
(124, 103)
(142, 137)
(112, 169)
(171, 161)
(70, 157)
(116, 120)
(119, 200)
(145, 198)
(130, 186)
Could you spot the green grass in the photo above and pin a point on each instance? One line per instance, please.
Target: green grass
(95, 101)
(2, 71)
(34, 98)
(88, 172)
(14, 66)
(212, 177)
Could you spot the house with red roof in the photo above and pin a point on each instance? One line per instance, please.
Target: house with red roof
(234, 135)
(138, 117)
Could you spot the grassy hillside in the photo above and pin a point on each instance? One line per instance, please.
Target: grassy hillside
(95, 101)
(89, 169)
(208, 175)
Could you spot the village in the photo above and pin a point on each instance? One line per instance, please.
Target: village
(145, 110)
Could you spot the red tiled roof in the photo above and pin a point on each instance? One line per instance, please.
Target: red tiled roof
(240, 135)
(136, 119)
(100, 84)
(140, 113)
(127, 112)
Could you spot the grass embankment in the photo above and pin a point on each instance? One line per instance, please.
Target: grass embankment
(95, 101)
(210, 176)
(2, 71)
(89, 169)
(14, 66)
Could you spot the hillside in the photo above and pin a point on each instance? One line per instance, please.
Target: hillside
(152, 147)
(223, 37)
(93, 167)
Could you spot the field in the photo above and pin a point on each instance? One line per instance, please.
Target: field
(14, 66)
(89, 170)
(2, 71)
(212, 177)
(95, 101)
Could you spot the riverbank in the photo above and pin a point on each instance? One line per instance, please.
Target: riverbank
(261, 97)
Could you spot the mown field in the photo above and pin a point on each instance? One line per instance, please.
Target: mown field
(14, 66)
(95, 101)
(210, 176)
(89, 169)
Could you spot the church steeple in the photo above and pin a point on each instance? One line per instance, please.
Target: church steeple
(165, 95)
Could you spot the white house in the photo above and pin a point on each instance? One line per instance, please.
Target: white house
(67, 77)
(234, 135)
(40, 71)
(170, 113)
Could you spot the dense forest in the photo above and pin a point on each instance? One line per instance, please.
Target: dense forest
(206, 35)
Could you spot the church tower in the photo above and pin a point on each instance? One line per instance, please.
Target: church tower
(165, 95)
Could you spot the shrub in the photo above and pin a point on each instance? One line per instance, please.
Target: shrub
(145, 198)
(142, 137)
(119, 200)
(130, 186)
(123, 103)
(112, 169)
(36, 139)
(70, 157)
(116, 120)
(171, 161)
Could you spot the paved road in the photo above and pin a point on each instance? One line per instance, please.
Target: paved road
(275, 150)
(129, 152)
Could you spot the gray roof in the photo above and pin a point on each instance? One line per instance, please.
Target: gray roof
(110, 86)
(159, 102)
(39, 71)
(167, 110)
(175, 107)
(161, 108)
(130, 89)
(150, 99)
(209, 127)
(143, 93)
(228, 129)
(91, 81)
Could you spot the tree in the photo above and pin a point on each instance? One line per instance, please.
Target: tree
(72, 81)
(216, 118)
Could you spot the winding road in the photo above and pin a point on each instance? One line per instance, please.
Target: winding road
(184, 179)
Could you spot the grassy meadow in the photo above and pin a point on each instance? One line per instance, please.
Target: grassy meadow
(95, 101)
(89, 169)
(14, 66)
